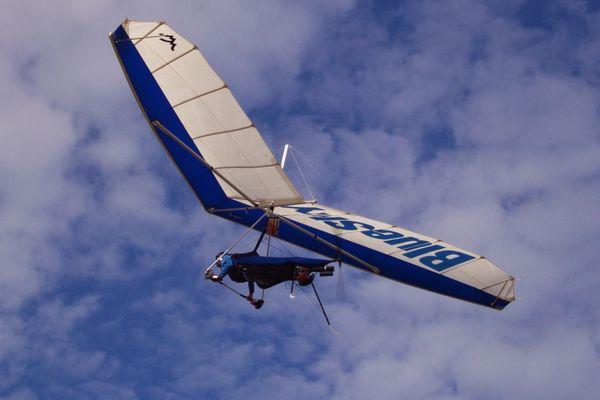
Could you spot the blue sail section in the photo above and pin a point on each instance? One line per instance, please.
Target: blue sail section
(156, 107)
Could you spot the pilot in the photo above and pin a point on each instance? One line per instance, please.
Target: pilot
(226, 263)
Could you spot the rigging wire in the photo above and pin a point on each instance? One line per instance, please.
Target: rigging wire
(311, 164)
(276, 247)
(268, 244)
(302, 175)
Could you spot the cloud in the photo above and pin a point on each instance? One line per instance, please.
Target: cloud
(468, 121)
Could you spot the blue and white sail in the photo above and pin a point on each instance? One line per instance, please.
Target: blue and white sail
(227, 164)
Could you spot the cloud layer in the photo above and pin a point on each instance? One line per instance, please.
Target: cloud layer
(471, 121)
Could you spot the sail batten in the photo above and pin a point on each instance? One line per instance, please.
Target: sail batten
(246, 166)
(226, 131)
(199, 95)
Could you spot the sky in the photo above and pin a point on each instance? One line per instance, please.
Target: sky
(474, 121)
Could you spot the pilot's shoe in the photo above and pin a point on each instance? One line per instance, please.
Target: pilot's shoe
(257, 303)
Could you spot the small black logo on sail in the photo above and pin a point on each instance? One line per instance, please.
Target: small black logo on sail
(169, 39)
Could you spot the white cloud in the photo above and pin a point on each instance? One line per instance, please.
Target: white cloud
(100, 288)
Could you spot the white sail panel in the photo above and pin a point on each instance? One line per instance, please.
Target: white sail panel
(248, 171)
(161, 46)
(191, 66)
(484, 275)
(215, 112)
(220, 129)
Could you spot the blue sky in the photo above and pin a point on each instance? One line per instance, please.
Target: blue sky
(473, 121)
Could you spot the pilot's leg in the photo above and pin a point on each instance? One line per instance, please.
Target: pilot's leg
(256, 303)
(250, 289)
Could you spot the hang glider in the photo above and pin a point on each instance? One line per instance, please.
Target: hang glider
(227, 164)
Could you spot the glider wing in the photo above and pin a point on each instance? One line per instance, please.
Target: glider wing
(234, 174)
